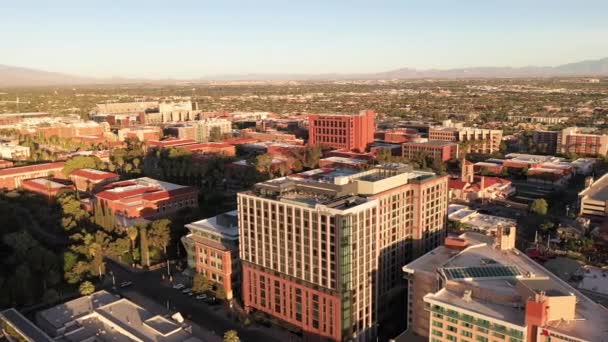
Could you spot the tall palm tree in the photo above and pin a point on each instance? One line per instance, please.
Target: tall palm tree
(132, 233)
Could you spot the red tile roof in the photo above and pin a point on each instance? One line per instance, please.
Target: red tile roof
(31, 168)
(456, 184)
(93, 175)
(489, 181)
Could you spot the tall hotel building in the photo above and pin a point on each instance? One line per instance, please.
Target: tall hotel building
(322, 250)
(342, 131)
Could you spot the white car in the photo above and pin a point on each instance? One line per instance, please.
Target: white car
(178, 286)
(186, 291)
(201, 296)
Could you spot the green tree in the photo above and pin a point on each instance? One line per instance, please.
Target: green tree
(231, 336)
(144, 246)
(263, 163)
(86, 288)
(220, 292)
(384, 155)
(539, 207)
(200, 283)
(159, 234)
(132, 233)
(82, 162)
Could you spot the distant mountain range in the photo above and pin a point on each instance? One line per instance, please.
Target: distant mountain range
(11, 76)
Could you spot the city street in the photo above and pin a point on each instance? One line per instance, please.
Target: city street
(211, 318)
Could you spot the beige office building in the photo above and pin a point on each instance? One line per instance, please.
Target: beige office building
(475, 140)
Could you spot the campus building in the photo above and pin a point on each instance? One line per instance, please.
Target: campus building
(102, 316)
(213, 250)
(91, 179)
(545, 141)
(142, 133)
(476, 140)
(14, 152)
(201, 130)
(440, 151)
(322, 250)
(145, 198)
(342, 131)
(479, 288)
(594, 198)
(576, 140)
(47, 187)
(11, 178)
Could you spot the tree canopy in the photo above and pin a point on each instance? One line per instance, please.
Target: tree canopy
(539, 207)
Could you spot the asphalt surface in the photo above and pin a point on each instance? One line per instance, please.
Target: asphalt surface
(212, 318)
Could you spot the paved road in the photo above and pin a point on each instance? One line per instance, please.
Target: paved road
(212, 318)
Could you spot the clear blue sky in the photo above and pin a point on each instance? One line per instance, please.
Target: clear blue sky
(184, 39)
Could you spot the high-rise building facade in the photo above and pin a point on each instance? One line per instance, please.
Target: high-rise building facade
(342, 131)
(322, 249)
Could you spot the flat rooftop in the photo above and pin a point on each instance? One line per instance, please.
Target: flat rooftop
(215, 225)
(24, 326)
(105, 317)
(532, 158)
(490, 269)
(598, 191)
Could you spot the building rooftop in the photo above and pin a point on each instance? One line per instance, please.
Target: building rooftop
(24, 326)
(145, 187)
(484, 267)
(116, 319)
(223, 225)
(533, 158)
(93, 174)
(598, 191)
(31, 168)
(429, 143)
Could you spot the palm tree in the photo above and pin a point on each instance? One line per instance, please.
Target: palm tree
(132, 233)
(231, 336)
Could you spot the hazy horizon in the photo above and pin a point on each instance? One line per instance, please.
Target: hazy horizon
(189, 39)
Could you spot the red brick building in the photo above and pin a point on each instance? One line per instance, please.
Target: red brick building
(438, 150)
(47, 187)
(5, 164)
(169, 142)
(213, 250)
(11, 178)
(210, 148)
(342, 131)
(92, 180)
(146, 198)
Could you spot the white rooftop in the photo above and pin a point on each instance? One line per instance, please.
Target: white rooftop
(211, 225)
(480, 254)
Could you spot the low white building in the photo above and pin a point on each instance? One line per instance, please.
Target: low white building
(14, 152)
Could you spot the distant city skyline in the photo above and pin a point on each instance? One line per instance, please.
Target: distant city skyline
(189, 39)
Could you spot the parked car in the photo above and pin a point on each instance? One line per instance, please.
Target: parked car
(126, 283)
(187, 290)
(178, 286)
(201, 296)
